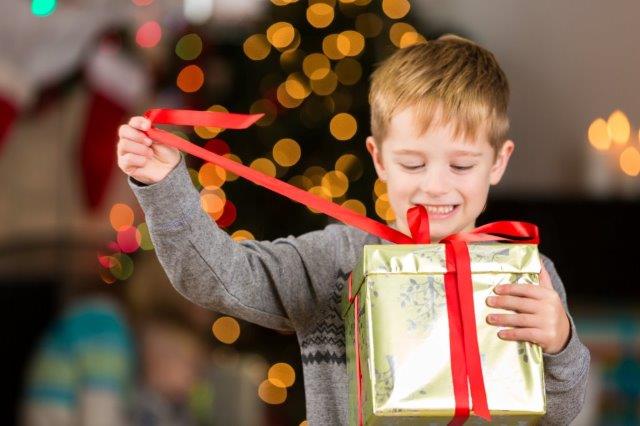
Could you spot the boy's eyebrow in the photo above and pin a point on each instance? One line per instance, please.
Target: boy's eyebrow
(467, 153)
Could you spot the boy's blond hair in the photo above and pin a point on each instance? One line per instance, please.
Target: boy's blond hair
(450, 75)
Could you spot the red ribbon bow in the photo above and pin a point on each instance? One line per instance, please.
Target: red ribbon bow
(466, 368)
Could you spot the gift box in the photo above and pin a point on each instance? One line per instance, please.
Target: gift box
(400, 348)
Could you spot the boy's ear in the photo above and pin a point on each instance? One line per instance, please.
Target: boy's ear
(502, 159)
(376, 156)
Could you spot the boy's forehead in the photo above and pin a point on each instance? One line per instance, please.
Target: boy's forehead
(406, 134)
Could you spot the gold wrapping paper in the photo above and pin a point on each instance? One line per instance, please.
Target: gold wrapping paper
(404, 336)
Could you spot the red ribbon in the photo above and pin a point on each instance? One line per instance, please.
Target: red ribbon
(466, 368)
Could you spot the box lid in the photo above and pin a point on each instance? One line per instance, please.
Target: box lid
(430, 259)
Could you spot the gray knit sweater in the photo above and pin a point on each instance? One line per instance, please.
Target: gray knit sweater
(295, 283)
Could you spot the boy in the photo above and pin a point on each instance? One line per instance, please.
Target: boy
(439, 124)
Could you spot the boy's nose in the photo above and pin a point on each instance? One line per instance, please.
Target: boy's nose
(434, 183)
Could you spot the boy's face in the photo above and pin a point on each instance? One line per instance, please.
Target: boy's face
(449, 176)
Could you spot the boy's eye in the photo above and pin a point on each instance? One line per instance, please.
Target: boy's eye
(461, 168)
(409, 167)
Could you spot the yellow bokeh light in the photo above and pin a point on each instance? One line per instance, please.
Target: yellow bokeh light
(410, 38)
(619, 127)
(355, 205)
(379, 188)
(343, 126)
(256, 47)
(266, 107)
(348, 71)
(283, 2)
(287, 152)
(281, 34)
(242, 234)
(315, 173)
(297, 86)
(291, 60)
(398, 30)
(383, 208)
(211, 175)
(369, 25)
(210, 132)
(304, 423)
(226, 330)
(264, 165)
(321, 192)
(145, 237)
(212, 204)
(330, 46)
(121, 216)
(350, 165)
(316, 66)
(272, 394)
(285, 99)
(350, 43)
(395, 9)
(232, 176)
(281, 375)
(599, 135)
(336, 183)
(301, 182)
(320, 15)
(630, 161)
(326, 85)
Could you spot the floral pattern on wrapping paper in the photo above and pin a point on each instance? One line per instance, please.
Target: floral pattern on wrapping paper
(384, 382)
(421, 300)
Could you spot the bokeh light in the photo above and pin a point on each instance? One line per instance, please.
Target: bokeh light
(355, 205)
(316, 66)
(217, 146)
(619, 127)
(287, 152)
(213, 202)
(149, 34)
(285, 99)
(297, 86)
(271, 394)
(301, 182)
(598, 135)
(211, 175)
(395, 9)
(226, 330)
(229, 214)
(343, 126)
(325, 86)
(369, 25)
(281, 375)
(281, 34)
(242, 234)
(43, 8)
(398, 30)
(256, 47)
(350, 165)
(189, 47)
(379, 188)
(383, 208)
(350, 43)
(232, 176)
(330, 47)
(348, 71)
(630, 161)
(145, 237)
(129, 239)
(122, 266)
(336, 183)
(321, 192)
(320, 15)
(266, 107)
(120, 216)
(190, 79)
(264, 165)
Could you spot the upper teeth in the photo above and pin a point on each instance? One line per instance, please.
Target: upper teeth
(439, 209)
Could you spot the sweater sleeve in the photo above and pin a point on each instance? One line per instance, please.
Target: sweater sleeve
(278, 284)
(566, 372)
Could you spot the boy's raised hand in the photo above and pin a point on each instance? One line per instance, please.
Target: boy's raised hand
(142, 158)
(539, 315)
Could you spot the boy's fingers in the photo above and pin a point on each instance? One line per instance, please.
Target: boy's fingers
(512, 303)
(521, 290)
(532, 335)
(128, 132)
(512, 320)
(140, 123)
(545, 278)
(126, 145)
(130, 159)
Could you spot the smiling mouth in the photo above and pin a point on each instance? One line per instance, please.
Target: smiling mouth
(440, 210)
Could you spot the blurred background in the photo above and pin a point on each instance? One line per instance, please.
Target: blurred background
(83, 296)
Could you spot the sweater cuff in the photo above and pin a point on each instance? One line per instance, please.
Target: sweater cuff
(562, 367)
(168, 203)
